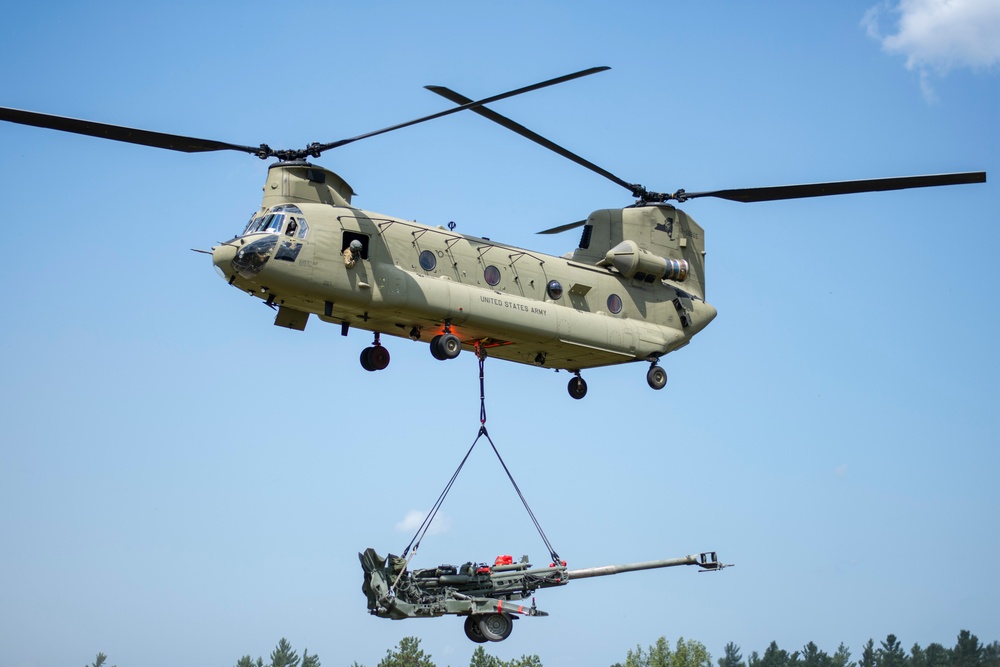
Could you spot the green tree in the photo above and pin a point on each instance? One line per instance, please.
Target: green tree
(774, 656)
(480, 658)
(283, 655)
(868, 655)
(309, 660)
(842, 657)
(891, 654)
(690, 653)
(991, 655)
(406, 654)
(937, 655)
(732, 657)
(99, 661)
(813, 657)
(967, 652)
(658, 655)
(524, 661)
(637, 658)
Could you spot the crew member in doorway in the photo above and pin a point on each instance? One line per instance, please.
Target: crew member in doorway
(351, 253)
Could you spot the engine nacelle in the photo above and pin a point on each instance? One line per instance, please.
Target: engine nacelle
(634, 262)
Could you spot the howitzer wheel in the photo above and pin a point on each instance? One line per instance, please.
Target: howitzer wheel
(472, 629)
(496, 627)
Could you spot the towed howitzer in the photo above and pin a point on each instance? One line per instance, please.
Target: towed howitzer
(481, 592)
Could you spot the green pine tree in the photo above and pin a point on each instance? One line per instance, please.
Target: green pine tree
(967, 652)
(732, 657)
(406, 654)
(283, 655)
(842, 657)
(891, 654)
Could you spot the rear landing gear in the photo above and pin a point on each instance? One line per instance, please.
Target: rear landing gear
(376, 357)
(656, 377)
(577, 387)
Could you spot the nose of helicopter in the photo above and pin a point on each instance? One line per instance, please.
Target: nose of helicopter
(222, 258)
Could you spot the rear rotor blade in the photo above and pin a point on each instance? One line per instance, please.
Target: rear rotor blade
(121, 133)
(779, 192)
(514, 126)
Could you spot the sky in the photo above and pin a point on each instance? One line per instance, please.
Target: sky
(182, 482)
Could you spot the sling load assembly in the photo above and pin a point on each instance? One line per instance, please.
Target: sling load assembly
(488, 596)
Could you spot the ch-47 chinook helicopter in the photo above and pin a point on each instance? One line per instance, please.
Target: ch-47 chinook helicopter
(633, 290)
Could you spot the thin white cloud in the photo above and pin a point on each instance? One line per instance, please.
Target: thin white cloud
(414, 518)
(937, 36)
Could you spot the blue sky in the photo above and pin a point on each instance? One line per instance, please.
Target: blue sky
(179, 477)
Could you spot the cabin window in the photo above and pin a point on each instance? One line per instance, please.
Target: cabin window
(554, 289)
(615, 304)
(492, 275)
(427, 260)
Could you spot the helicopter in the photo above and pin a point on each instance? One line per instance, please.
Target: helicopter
(632, 291)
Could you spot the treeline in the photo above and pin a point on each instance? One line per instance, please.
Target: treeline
(967, 652)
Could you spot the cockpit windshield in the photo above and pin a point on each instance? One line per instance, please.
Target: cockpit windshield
(272, 221)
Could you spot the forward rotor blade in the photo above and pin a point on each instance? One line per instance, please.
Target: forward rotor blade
(779, 192)
(458, 98)
(128, 135)
(469, 104)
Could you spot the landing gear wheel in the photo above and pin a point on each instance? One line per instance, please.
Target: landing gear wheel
(436, 348)
(374, 358)
(577, 387)
(379, 357)
(656, 377)
(472, 629)
(366, 359)
(496, 627)
(446, 346)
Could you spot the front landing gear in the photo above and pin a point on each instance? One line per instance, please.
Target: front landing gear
(577, 386)
(376, 357)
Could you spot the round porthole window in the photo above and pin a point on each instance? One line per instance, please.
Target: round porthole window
(492, 275)
(554, 288)
(427, 260)
(615, 304)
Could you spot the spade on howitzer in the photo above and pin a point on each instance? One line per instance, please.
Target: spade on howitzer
(482, 592)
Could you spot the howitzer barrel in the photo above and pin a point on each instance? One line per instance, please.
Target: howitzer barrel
(606, 570)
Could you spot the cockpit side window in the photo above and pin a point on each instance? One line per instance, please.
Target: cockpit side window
(296, 227)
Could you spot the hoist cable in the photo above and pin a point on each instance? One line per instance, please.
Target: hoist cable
(524, 501)
(426, 524)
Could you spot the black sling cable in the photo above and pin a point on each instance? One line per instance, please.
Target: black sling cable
(538, 526)
(426, 524)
